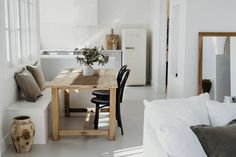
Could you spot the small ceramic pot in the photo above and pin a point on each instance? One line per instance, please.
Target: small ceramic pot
(22, 133)
(88, 70)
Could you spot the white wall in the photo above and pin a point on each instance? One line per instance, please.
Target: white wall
(7, 83)
(59, 31)
(217, 17)
(9, 90)
(233, 65)
(177, 42)
(201, 16)
(158, 43)
(123, 12)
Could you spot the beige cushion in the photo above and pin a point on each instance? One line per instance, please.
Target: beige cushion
(38, 75)
(28, 85)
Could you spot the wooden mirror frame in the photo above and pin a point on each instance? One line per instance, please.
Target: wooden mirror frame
(200, 48)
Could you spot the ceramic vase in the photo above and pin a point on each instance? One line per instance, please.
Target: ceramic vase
(88, 70)
(206, 85)
(22, 133)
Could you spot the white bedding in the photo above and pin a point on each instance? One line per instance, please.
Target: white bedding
(192, 111)
(152, 146)
(180, 141)
(163, 117)
(221, 113)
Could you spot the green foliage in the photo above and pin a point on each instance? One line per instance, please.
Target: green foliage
(91, 55)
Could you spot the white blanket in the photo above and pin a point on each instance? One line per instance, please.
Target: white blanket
(165, 116)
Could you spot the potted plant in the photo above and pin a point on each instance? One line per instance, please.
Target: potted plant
(88, 56)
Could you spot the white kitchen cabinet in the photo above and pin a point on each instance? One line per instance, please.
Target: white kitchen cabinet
(54, 61)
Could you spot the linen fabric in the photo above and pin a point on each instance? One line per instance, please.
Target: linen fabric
(171, 120)
(192, 111)
(221, 113)
(180, 141)
(217, 141)
(28, 85)
(38, 75)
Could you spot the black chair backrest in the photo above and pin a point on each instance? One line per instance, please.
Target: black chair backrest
(121, 85)
(121, 73)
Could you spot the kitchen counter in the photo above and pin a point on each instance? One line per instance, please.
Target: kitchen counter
(54, 61)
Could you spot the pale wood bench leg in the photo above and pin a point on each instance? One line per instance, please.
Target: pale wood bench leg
(55, 114)
(112, 117)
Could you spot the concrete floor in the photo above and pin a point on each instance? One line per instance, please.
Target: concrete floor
(128, 145)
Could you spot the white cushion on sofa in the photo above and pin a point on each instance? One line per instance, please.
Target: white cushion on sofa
(192, 111)
(221, 113)
(180, 141)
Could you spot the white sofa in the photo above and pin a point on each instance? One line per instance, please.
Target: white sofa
(169, 114)
(167, 131)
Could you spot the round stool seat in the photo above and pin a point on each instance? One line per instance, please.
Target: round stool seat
(101, 93)
(98, 100)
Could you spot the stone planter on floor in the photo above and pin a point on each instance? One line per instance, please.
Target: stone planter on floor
(22, 133)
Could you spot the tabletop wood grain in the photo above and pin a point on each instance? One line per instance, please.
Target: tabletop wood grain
(73, 78)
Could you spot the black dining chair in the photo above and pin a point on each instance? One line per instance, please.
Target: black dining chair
(106, 93)
(102, 102)
(97, 93)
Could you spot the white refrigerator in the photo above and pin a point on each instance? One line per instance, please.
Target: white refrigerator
(134, 45)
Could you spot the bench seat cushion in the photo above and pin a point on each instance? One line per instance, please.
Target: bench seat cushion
(41, 103)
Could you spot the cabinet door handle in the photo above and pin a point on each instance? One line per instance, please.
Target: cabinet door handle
(129, 48)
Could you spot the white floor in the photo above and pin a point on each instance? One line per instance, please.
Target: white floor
(128, 145)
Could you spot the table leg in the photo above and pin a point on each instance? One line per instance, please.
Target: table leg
(112, 115)
(55, 114)
(67, 102)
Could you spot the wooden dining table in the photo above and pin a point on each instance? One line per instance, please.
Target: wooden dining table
(72, 78)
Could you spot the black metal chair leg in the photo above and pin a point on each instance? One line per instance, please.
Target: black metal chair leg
(118, 118)
(119, 121)
(96, 117)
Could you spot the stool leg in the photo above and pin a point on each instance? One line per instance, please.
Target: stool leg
(96, 117)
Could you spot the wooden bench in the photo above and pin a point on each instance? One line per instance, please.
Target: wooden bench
(38, 112)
